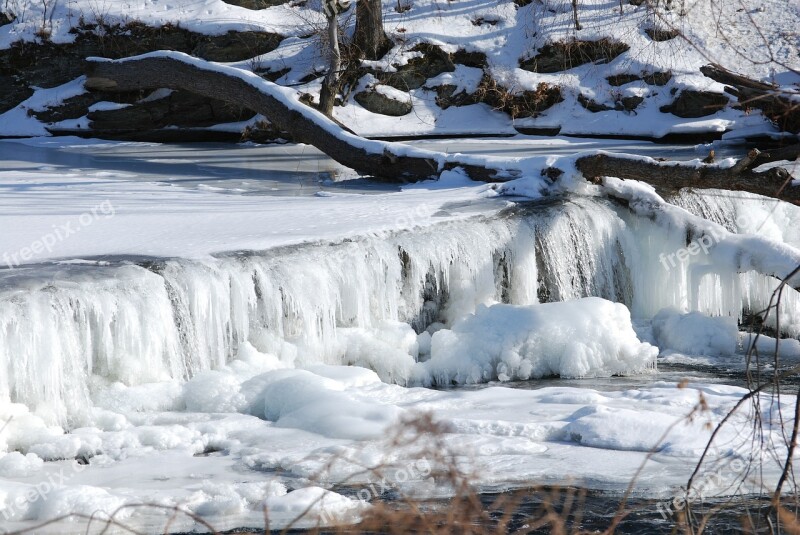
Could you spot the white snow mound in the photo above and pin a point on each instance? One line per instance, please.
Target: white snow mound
(588, 337)
(695, 333)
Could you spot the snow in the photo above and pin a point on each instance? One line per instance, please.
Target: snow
(544, 435)
(760, 31)
(695, 333)
(583, 338)
(223, 331)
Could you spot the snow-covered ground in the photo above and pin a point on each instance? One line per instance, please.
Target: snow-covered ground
(755, 37)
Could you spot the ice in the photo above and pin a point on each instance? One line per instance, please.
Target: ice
(15, 464)
(622, 429)
(128, 335)
(588, 337)
(327, 505)
(226, 467)
(302, 400)
(80, 499)
(765, 346)
(695, 333)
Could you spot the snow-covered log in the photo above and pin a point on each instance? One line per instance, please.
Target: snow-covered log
(400, 162)
(777, 104)
(774, 182)
(176, 70)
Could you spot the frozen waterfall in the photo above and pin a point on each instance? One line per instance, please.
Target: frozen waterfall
(65, 329)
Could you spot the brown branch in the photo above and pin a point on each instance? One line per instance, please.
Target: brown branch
(778, 106)
(775, 182)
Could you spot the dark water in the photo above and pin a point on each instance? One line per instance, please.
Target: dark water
(595, 513)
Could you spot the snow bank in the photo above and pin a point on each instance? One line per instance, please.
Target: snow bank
(588, 337)
(622, 429)
(300, 399)
(695, 333)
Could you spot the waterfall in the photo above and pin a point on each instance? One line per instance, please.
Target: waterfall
(364, 300)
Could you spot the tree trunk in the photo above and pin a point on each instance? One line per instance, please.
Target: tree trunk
(281, 106)
(330, 84)
(575, 14)
(780, 107)
(775, 182)
(370, 40)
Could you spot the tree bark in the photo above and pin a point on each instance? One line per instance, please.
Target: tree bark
(775, 182)
(575, 14)
(330, 84)
(395, 162)
(774, 104)
(370, 39)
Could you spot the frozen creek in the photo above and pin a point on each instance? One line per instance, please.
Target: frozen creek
(225, 380)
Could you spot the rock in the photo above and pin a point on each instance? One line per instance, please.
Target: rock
(470, 59)
(661, 34)
(72, 108)
(378, 102)
(657, 78)
(636, 2)
(631, 103)
(622, 79)
(12, 92)
(78, 106)
(691, 103)
(256, 4)
(564, 55)
(41, 65)
(434, 61)
(592, 105)
(272, 76)
(237, 46)
(6, 18)
(446, 96)
(49, 65)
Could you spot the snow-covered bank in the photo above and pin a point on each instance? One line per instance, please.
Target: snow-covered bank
(648, 87)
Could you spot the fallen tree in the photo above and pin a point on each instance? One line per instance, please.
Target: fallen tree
(282, 107)
(780, 106)
(775, 182)
(402, 163)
